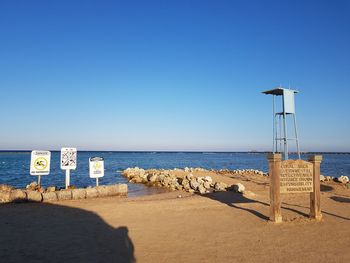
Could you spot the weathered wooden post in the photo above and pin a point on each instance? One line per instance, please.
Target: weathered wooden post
(315, 195)
(275, 195)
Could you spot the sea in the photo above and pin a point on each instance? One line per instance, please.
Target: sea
(14, 166)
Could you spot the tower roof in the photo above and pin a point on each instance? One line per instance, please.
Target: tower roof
(277, 91)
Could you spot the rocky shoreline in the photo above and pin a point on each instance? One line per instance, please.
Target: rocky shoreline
(182, 179)
(192, 180)
(33, 194)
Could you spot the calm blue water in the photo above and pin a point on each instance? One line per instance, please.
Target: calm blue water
(14, 167)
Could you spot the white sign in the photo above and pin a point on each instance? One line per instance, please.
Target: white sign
(96, 165)
(68, 158)
(288, 101)
(40, 163)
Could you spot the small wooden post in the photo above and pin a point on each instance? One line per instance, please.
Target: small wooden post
(67, 178)
(275, 196)
(315, 196)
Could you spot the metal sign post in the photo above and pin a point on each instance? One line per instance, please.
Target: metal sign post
(40, 164)
(68, 162)
(96, 168)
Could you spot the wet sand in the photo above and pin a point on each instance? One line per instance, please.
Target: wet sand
(221, 227)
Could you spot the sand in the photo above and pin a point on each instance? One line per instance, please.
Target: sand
(217, 227)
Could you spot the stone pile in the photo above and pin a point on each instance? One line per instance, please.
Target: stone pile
(164, 178)
(31, 194)
(343, 179)
(324, 178)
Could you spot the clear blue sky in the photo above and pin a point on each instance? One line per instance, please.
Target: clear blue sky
(171, 75)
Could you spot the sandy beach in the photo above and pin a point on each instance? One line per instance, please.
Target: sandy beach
(221, 227)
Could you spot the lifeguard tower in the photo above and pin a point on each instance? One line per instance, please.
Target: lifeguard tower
(280, 120)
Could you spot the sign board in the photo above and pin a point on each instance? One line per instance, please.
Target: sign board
(40, 163)
(288, 101)
(68, 158)
(96, 167)
(296, 177)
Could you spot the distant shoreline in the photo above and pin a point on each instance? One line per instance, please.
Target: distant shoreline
(199, 152)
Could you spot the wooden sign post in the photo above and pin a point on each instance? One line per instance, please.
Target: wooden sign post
(294, 176)
(315, 196)
(275, 197)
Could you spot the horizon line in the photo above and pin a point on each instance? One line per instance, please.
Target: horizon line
(186, 151)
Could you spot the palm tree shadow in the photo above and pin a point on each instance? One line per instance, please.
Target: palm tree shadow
(39, 232)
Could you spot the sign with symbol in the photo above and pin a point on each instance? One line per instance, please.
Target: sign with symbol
(68, 158)
(96, 165)
(40, 163)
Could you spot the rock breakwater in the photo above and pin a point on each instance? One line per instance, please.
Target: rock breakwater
(178, 179)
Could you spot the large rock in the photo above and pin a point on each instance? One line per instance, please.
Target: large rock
(18, 196)
(117, 189)
(49, 197)
(78, 194)
(123, 189)
(186, 185)
(328, 178)
(34, 196)
(208, 179)
(32, 186)
(239, 188)
(136, 180)
(65, 194)
(206, 185)
(189, 177)
(152, 178)
(102, 191)
(343, 179)
(166, 181)
(184, 181)
(178, 187)
(4, 196)
(200, 180)
(91, 192)
(51, 189)
(220, 186)
(194, 184)
(5, 187)
(135, 172)
(202, 189)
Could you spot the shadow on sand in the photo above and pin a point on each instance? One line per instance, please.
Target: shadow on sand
(340, 199)
(232, 199)
(39, 232)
